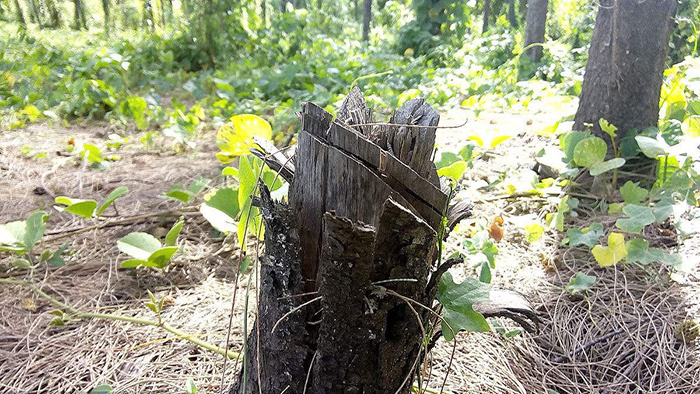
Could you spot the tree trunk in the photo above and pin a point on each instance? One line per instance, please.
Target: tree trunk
(105, 10)
(54, 14)
(535, 24)
(263, 6)
(366, 19)
(487, 16)
(357, 10)
(626, 62)
(512, 18)
(356, 241)
(36, 15)
(79, 15)
(20, 14)
(283, 5)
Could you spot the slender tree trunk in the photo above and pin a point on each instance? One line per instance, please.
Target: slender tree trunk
(487, 16)
(20, 14)
(512, 18)
(105, 10)
(535, 24)
(626, 62)
(36, 15)
(283, 5)
(161, 4)
(357, 10)
(54, 15)
(366, 19)
(263, 6)
(148, 21)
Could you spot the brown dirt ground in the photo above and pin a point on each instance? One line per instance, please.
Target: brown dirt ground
(37, 358)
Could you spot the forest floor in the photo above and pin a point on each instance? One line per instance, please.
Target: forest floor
(626, 325)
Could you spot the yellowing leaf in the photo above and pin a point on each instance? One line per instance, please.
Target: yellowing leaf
(236, 137)
(613, 253)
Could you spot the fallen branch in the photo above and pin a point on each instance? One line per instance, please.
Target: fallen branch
(108, 316)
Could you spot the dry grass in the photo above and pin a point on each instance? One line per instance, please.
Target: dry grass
(643, 309)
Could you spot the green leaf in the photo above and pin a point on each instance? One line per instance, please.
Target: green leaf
(55, 260)
(580, 283)
(605, 166)
(198, 184)
(587, 236)
(138, 245)
(152, 306)
(131, 263)
(454, 171)
(84, 208)
(485, 273)
(457, 301)
(171, 237)
(663, 209)
(21, 236)
(246, 181)
(190, 387)
(230, 171)
(637, 251)
(590, 151)
(178, 192)
(691, 126)
(651, 147)
(116, 193)
(613, 253)
(446, 159)
(101, 389)
(220, 208)
(638, 217)
(607, 128)
(633, 194)
(568, 141)
(161, 257)
(534, 232)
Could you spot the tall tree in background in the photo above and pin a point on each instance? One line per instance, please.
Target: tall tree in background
(283, 5)
(20, 14)
(35, 14)
(487, 16)
(105, 9)
(366, 18)
(79, 13)
(626, 62)
(535, 23)
(55, 20)
(512, 18)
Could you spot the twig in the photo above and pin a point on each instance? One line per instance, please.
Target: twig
(410, 126)
(435, 277)
(308, 373)
(129, 319)
(292, 311)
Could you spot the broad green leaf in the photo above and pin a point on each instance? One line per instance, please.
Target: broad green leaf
(587, 236)
(220, 208)
(116, 193)
(160, 258)
(605, 166)
(638, 217)
(454, 171)
(236, 137)
(246, 181)
(80, 207)
(613, 253)
(485, 273)
(32, 112)
(92, 152)
(651, 147)
(590, 151)
(171, 237)
(178, 192)
(568, 141)
(457, 300)
(446, 159)
(268, 177)
(633, 194)
(190, 387)
(691, 126)
(55, 260)
(608, 128)
(138, 245)
(534, 232)
(580, 283)
(230, 171)
(663, 209)
(21, 236)
(198, 184)
(615, 208)
(131, 263)
(637, 251)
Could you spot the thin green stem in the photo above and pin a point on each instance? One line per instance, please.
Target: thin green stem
(116, 317)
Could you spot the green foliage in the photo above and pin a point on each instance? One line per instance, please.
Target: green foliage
(21, 236)
(89, 208)
(580, 283)
(101, 389)
(147, 251)
(457, 300)
(189, 193)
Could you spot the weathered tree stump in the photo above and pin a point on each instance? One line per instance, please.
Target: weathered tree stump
(361, 227)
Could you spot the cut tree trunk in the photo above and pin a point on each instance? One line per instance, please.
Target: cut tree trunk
(357, 239)
(626, 62)
(535, 23)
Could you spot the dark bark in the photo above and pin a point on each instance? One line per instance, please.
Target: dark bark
(626, 61)
(283, 5)
(105, 10)
(357, 239)
(35, 14)
(512, 18)
(19, 14)
(535, 24)
(366, 19)
(263, 6)
(487, 16)
(357, 10)
(79, 20)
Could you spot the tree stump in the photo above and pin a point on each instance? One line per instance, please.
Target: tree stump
(356, 241)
